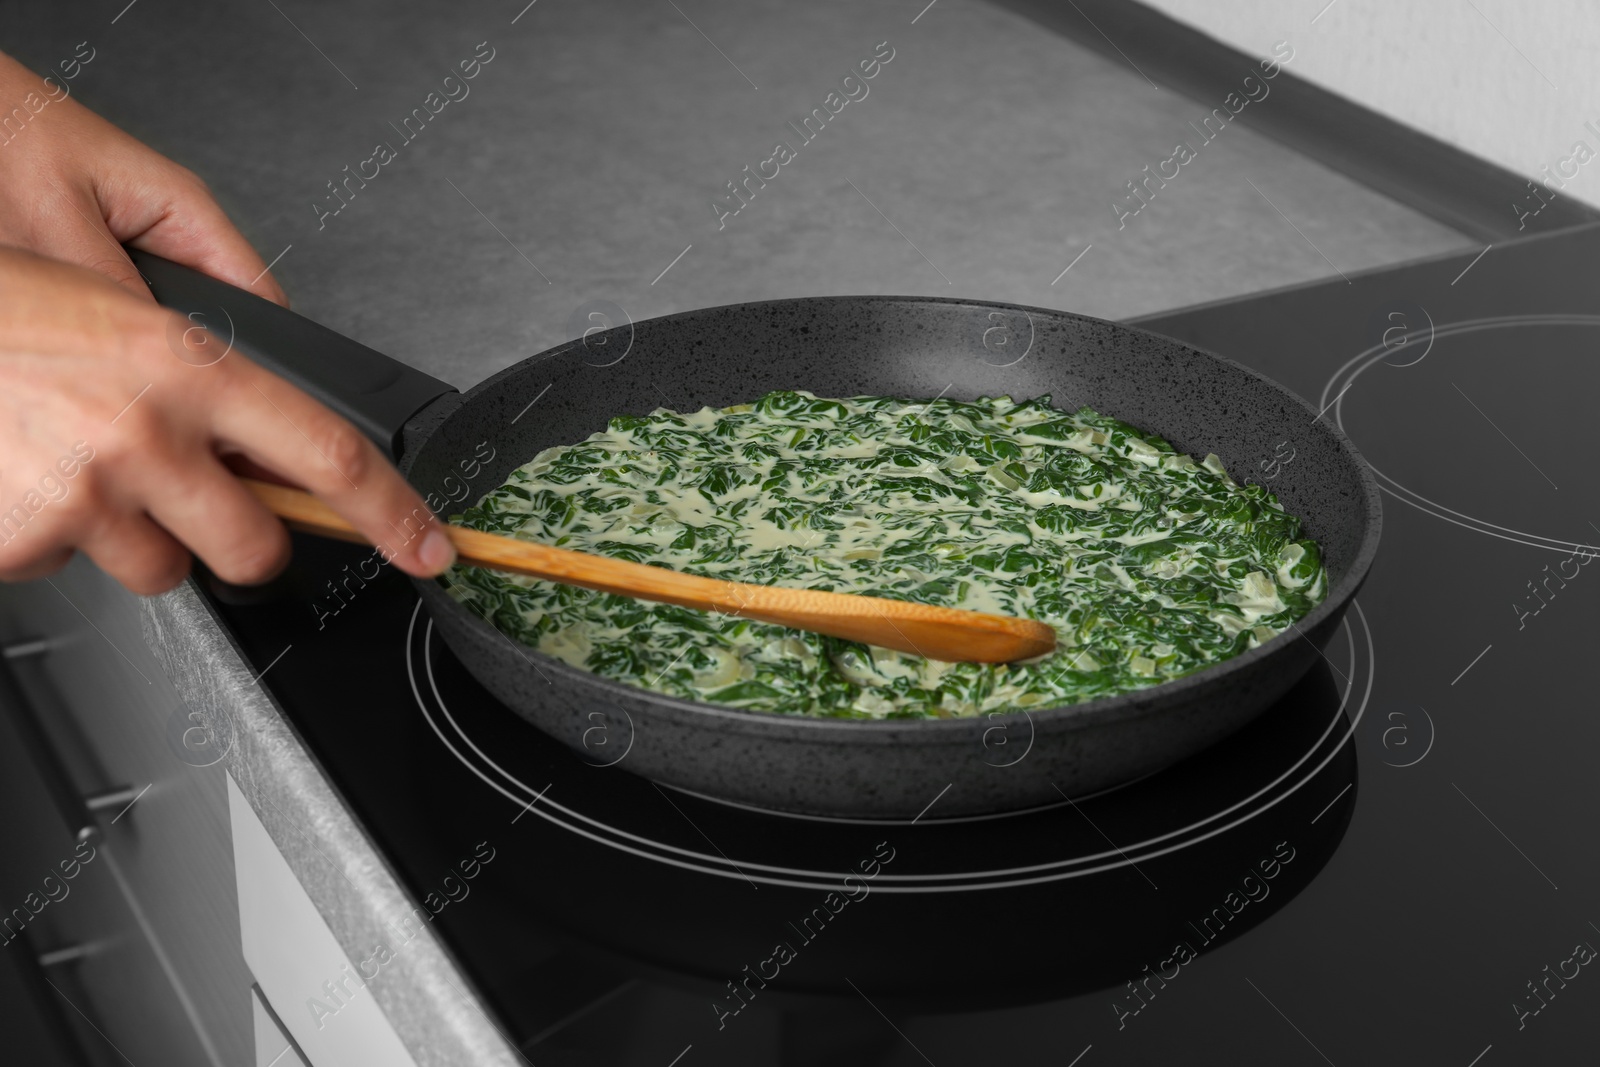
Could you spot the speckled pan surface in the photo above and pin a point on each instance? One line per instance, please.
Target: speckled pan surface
(911, 347)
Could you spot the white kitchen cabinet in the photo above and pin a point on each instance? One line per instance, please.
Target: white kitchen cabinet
(302, 971)
(274, 1046)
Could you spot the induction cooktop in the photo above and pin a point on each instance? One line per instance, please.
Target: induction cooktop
(1392, 865)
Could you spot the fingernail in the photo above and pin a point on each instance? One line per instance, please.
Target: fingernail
(436, 551)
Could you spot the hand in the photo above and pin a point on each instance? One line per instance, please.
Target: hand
(113, 444)
(75, 188)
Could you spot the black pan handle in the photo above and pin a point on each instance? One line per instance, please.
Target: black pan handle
(376, 393)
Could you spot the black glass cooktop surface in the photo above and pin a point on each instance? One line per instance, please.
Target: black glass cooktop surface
(1392, 865)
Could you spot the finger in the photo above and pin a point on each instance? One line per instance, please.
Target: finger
(211, 512)
(243, 466)
(192, 229)
(279, 427)
(136, 552)
(34, 566)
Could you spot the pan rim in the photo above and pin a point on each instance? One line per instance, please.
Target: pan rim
(1153, 700)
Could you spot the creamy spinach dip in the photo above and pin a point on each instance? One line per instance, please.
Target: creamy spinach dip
(1148, 564)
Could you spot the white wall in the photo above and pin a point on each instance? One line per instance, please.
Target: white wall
(1512, 81)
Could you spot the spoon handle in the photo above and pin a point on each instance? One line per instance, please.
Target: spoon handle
(926, 630)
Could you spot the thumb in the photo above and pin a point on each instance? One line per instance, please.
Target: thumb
(167, 210)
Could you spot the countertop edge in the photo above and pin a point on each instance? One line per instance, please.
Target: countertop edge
(425, 1001)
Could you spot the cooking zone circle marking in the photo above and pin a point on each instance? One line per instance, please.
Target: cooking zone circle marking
(1335, 397)
(557, 814)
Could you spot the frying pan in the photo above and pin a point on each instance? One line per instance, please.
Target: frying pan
(455, 447)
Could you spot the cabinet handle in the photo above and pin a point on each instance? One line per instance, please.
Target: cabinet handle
(31, 647)
(70, 954)
(75, 810)
(47, 1004)
(119, 797)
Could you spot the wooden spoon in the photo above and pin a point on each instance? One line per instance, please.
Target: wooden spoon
(921, 629)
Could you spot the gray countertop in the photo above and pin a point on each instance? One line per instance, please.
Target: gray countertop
(586, 155)
(582, 165)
